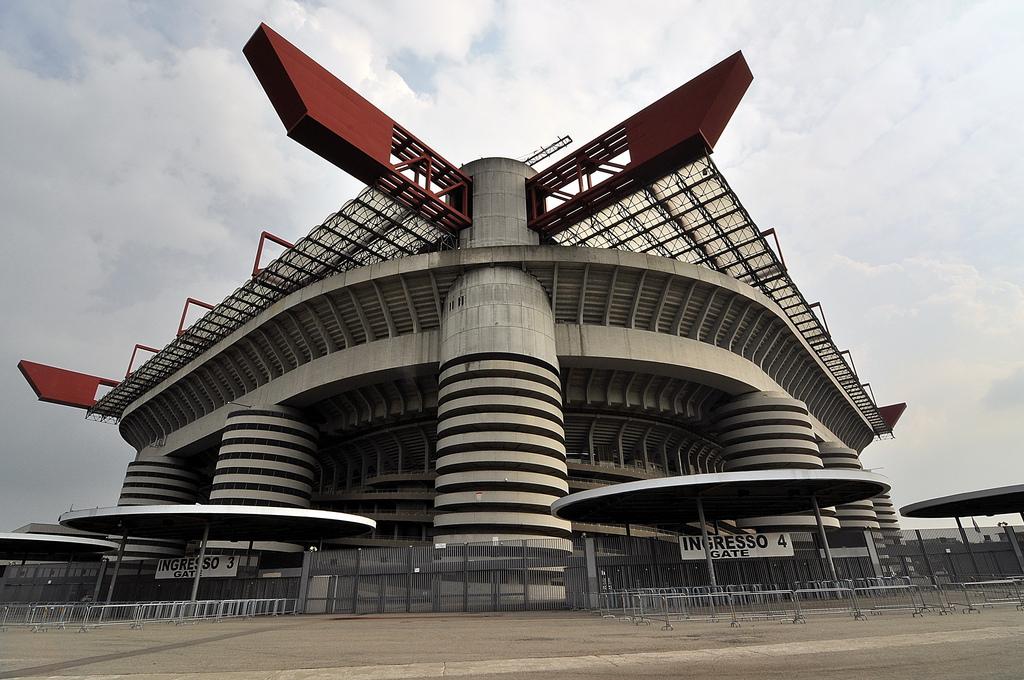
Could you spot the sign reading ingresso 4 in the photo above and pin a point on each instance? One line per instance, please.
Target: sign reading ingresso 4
(185, 567)
(732, 547)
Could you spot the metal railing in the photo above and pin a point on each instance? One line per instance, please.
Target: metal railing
(973, 594)
(39, 617)
(754, 602)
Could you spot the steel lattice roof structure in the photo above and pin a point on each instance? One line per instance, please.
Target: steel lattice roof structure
(370, 228)
(691, 215)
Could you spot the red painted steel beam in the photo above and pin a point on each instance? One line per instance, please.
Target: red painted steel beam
(332, 120)
(677, 128)
(198, 303)
(891, 413)
(61, 386)
(264, 237)
(135, 350)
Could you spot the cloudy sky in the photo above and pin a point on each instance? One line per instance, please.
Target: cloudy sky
(140, 159)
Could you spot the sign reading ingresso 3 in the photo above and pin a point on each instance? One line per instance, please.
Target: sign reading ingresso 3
(185, 567)
(741, 546)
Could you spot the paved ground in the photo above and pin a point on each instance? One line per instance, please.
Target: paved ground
(534, 646)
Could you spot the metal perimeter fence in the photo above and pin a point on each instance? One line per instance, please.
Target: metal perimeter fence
(555, 573)
(44, 616)
(136, 582)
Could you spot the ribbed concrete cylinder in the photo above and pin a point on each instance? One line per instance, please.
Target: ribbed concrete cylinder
(858, 515)
(499, 204)
(266, 457)
(157, 481)
(766, 430)
(771, 431)
(501, 443)
(886, 513)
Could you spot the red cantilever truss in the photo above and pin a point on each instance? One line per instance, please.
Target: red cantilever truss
(678, 127)
(61, 386)
(331, 119)
(891, 413)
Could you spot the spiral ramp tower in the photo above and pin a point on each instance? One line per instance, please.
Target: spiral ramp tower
(858, 515)
(500, 435)
(267, 457)
(157, 481)
(771, 431)
(885, 511)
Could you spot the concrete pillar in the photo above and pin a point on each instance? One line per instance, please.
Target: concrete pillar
(500, 437)
(303, 595)
(593, 582)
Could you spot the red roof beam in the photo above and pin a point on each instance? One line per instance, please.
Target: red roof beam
(333, 121)
(264, 237)
(677, 128)
(891, 414)
(189, 302)
(61, 386)
(135, 350)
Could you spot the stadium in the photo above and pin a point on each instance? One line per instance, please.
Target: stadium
(457, 348)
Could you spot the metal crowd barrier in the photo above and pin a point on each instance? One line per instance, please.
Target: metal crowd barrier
(829, 600)
(973, 594)
(85, 616)
(753, 602)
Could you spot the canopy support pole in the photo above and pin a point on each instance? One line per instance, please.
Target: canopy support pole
(824, 540)
(706, 541)
(967, 544)
(199, 564)
(117, 566)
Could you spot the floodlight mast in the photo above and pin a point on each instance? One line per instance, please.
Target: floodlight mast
(547, 151)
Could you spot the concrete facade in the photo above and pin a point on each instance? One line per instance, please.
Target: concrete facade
(452, 396)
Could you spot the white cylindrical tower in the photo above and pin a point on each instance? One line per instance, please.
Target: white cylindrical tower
(157, 481)
(857, 515)
(767, 431)
(885, 511)
(266, 457)
(500, 437)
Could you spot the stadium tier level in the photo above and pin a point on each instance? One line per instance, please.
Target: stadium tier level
(457, 348)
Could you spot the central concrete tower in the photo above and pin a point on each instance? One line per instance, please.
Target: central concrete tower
(500, 436)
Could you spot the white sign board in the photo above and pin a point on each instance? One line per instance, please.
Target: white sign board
(185, 567)
(733, 547)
